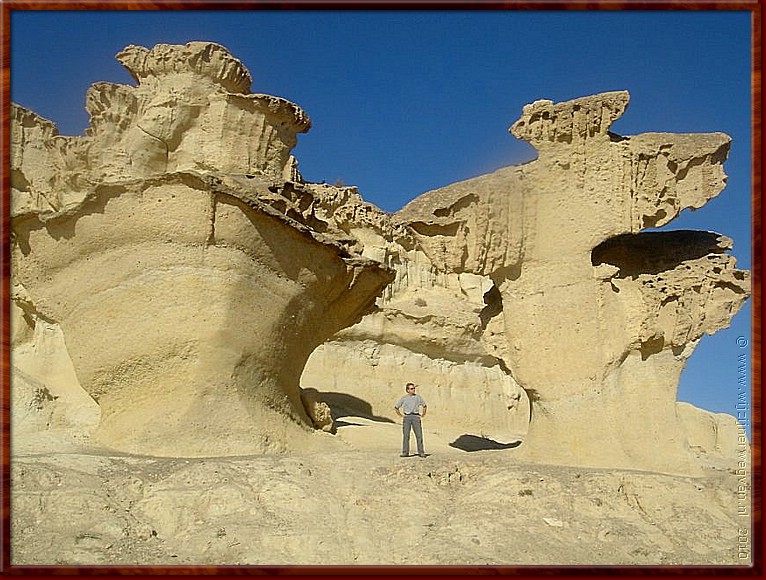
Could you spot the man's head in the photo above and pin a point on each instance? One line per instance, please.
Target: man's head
(410, 388)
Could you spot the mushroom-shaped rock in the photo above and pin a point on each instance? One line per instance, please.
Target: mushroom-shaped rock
(190, 281)
(599, 318)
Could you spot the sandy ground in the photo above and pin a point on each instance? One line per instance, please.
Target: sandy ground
(353, 501)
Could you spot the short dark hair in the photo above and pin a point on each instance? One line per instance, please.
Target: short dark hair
(408, 385)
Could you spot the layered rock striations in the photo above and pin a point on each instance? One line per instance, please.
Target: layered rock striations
(176, 280)
(184, 267)
(600, 317)
(437, 328)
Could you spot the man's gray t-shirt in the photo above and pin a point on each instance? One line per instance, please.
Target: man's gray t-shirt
(409, 404)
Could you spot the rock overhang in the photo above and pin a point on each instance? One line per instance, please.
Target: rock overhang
(516, 227)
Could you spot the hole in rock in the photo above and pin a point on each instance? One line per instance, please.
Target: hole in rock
(655, 252)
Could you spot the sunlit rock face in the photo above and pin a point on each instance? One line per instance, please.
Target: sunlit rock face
(181, 258)
(441, 330)
(599, 318)
(179, 289)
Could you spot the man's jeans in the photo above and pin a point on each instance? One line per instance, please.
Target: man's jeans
(414, 422)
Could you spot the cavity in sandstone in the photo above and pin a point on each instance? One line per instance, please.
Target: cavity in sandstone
(599, 316)
(176, 271)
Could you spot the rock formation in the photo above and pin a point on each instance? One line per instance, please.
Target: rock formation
(593, 318)
(184, 267)
(175, 267)
(434, 327)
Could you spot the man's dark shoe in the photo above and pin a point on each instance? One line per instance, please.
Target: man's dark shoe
(404, 455)
(421, 454)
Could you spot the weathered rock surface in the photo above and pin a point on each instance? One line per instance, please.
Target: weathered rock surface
(190, 280)
(190, 112)
(528, 293)
(539, 276)
(347, 509)
(436, 328)
(180, 292)
(599, 317)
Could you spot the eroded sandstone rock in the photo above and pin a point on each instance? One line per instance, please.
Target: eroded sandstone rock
(599, 318)
(190, 280)
(184, 274)
(191, 111)
(571, 304)
(439, 329)
(319, 412)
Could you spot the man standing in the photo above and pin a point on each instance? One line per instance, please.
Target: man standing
(414, 407)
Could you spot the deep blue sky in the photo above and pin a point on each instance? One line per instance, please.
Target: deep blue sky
(405, 102)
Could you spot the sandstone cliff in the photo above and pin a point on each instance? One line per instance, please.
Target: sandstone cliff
(179, 274)
(206, 348)
(186, 271)
(536, 283)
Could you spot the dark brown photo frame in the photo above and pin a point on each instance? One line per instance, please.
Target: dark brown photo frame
(387, 571)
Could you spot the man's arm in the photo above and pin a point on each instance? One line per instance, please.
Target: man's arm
(425, 408)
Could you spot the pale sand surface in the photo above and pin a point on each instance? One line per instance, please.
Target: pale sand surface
(353, 500)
